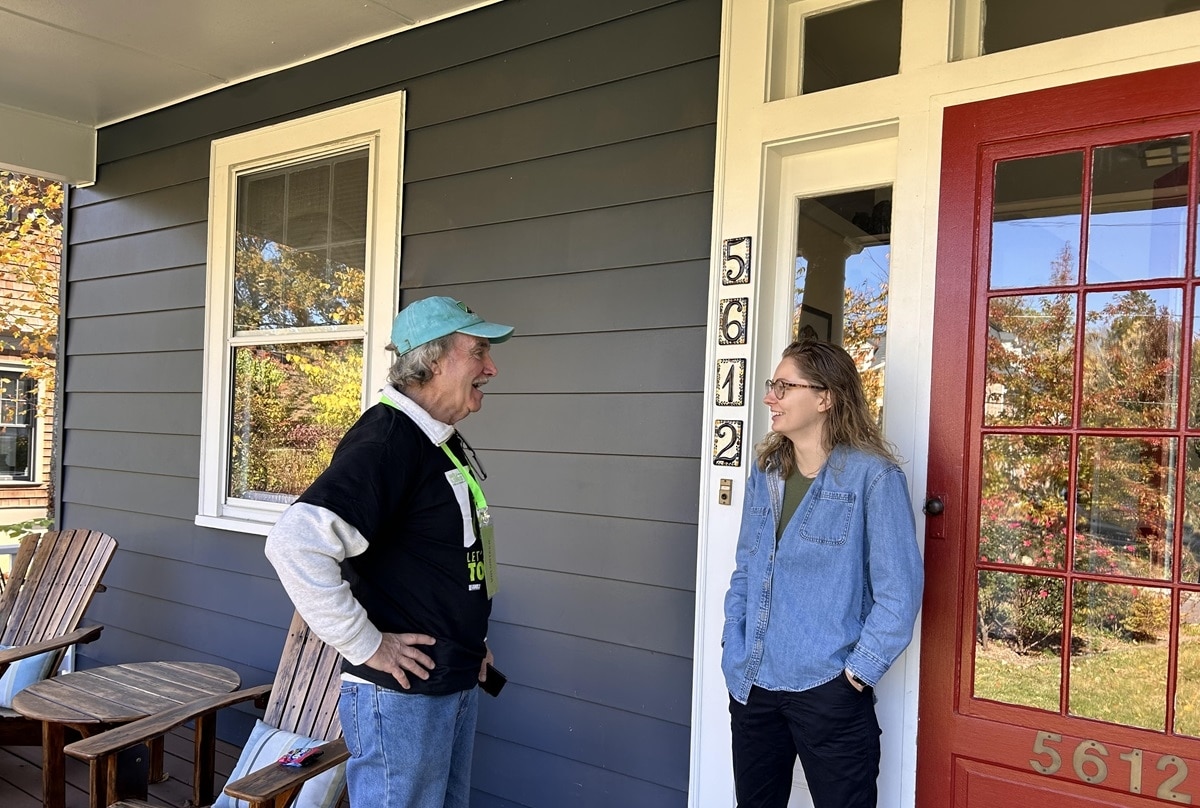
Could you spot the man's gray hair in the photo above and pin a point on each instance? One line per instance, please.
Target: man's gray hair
(415, 368)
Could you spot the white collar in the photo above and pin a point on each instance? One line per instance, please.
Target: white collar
(437, 432)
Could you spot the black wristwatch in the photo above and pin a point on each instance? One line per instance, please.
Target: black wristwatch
(854, 678)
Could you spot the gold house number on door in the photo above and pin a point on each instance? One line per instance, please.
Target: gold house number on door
(1090, 761)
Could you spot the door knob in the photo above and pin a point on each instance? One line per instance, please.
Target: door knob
(934, 506)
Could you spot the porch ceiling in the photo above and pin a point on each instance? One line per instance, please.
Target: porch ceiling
(71, 67)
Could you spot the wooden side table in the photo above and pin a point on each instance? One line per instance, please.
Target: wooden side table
(98, 699)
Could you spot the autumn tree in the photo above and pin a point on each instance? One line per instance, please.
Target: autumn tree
(30, 250)
(293, 398)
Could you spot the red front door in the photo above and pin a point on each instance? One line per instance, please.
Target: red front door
(1060, 660)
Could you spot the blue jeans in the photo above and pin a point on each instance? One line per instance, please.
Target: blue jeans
(406, 750)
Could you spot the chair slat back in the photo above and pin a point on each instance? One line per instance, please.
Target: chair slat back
(16, 576)
(304, 697)
(61, 578)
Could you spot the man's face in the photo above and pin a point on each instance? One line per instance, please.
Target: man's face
(454, 392)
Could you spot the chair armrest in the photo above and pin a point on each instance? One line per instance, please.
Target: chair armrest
(79, 635)
(143, 730)
(270, 781)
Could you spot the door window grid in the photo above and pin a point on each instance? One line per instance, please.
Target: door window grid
(1117, 437)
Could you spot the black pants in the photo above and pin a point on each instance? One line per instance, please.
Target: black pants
(832, 728)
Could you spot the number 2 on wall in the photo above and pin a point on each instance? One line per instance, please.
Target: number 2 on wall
(727, 443)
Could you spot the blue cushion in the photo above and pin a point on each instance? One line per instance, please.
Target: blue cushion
(22, 673)
(265, 746)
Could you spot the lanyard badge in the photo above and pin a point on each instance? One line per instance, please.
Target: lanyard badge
(484, 518)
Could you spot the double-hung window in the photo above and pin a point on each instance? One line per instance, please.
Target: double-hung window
(18, 426)
(304, 231)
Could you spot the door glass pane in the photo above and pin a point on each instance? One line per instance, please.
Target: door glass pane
(1119, 653)
(1036, 215)
(1189, 559)
(1187, 677)
(851, 44)
(1030, 360)
(1018, 635)
(300, 245)
(1023, 510)
(291, 406)
(1125, 498)
(1194, 385)
(1138, 224)
(843, 259)
(1131, 358)
(1012, 24)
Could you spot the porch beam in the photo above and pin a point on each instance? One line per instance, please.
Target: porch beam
(46, 146)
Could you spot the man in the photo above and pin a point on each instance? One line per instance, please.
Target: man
(388, 558)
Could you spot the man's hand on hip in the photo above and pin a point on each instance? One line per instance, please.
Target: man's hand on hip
(399, 655)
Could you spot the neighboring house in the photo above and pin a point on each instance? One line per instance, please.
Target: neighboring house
(622, 181)
(26, 409)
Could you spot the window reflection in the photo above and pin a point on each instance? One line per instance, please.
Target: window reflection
(1131, 358)
(1119, 653)
(1036, 215)
(1023, 510)
(291, 405)
(851, 44)
(1125, 494)
(843, 260)
(1012, 24)
(300, 248)
(1030, 360)
(1137, 228)
(1019, 632)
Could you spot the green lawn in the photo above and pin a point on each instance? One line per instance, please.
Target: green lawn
(1126, 685)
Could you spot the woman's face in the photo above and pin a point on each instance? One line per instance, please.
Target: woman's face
(799, 413)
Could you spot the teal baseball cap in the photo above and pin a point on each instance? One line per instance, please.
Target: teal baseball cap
(425, 320)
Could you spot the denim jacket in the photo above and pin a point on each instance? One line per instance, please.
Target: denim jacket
(841, 589)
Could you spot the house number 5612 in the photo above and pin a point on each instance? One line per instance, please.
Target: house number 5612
(1090, 762)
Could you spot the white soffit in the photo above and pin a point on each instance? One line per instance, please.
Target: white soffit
(71, 66)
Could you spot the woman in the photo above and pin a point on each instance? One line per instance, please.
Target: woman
(826, 589)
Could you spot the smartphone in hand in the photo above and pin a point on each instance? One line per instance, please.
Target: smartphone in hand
(494, 682)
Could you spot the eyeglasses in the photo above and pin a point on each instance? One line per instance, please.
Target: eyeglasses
(779, 387)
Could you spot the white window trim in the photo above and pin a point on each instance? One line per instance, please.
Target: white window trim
(377, 124)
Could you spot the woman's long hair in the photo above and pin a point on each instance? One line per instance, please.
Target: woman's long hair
(849, 421)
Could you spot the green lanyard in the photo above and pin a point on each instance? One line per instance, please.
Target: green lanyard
(482, 516)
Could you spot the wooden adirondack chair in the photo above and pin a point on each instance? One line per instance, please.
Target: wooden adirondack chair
(302, 700)
(52, 582)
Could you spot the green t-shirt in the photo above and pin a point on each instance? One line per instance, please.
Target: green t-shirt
(794, 489)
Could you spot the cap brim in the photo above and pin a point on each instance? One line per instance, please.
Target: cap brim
(493, 332)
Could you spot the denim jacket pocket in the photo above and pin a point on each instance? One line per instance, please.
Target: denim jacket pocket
(760, 516)
(827, 517)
